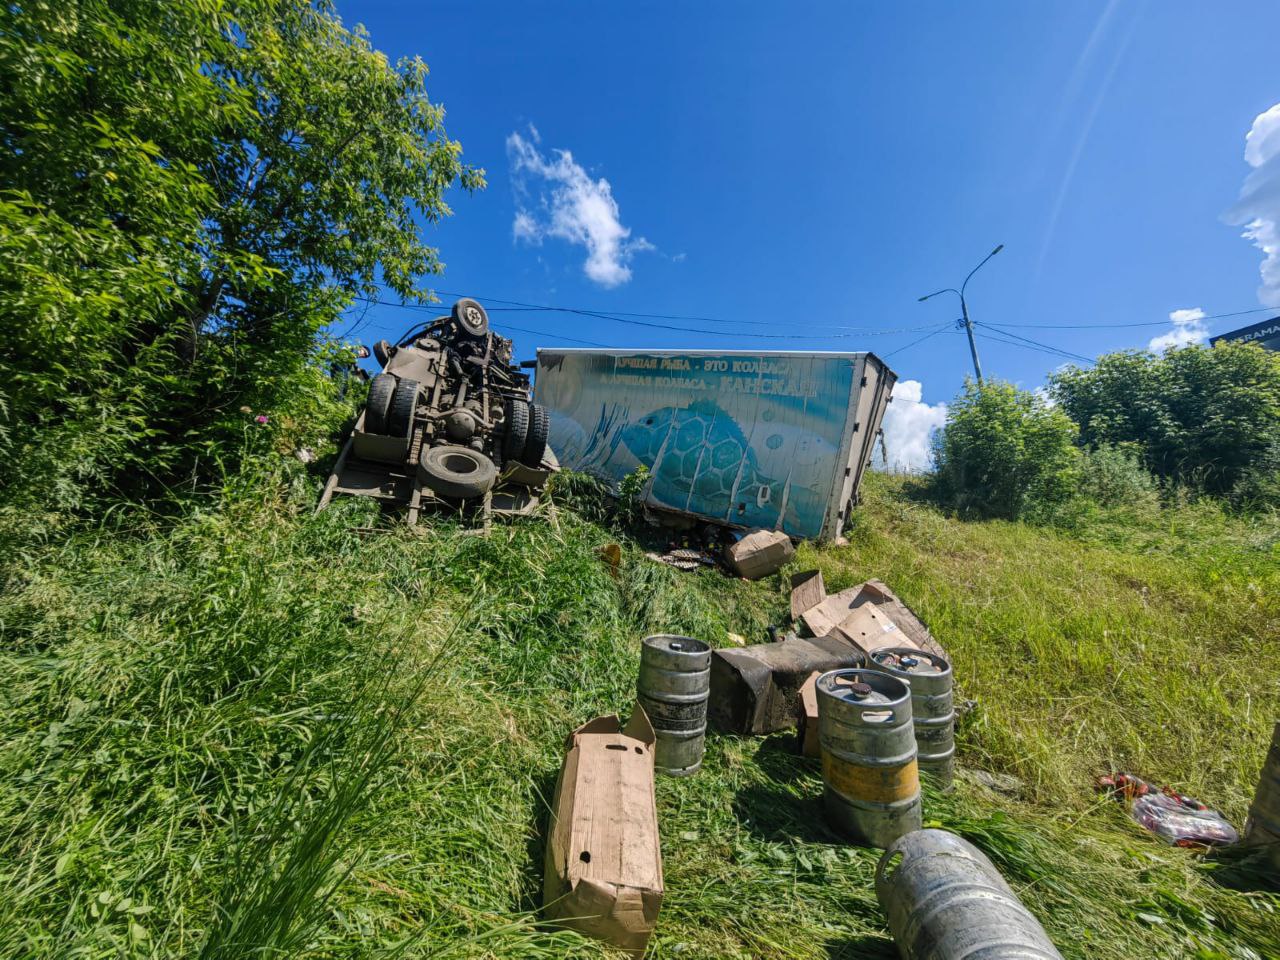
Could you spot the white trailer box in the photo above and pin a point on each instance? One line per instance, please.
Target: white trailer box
(750, 439)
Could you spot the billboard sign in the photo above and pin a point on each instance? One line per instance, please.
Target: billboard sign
(1266, 333)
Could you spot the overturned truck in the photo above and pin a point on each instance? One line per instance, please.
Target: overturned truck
(448, 422)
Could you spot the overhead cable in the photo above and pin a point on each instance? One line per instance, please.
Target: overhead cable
(663, 326)
(1145, 323)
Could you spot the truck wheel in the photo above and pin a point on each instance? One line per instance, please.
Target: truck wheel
(470, 317)
(404, 402)
(381, 389)
(517, 418)
(458, 472)
(536, 445)
(382, 352)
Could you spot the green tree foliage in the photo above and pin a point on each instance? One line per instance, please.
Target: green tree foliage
(190, 192)
(1005, 452)
(1204, 417)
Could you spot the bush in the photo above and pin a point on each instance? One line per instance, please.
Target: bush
(1113, 476)
(1005, 452)
(1207, 418)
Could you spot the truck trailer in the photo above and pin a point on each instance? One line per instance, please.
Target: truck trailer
(746, 439)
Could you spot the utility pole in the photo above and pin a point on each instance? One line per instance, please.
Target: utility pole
(964, 309)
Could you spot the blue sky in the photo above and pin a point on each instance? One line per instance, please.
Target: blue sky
(800, 168)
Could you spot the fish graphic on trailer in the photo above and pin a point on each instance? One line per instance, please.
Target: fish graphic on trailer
(699, 456)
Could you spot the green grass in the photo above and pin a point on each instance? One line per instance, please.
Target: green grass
(251, 732)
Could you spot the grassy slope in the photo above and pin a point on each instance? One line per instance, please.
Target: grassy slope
(209, 727)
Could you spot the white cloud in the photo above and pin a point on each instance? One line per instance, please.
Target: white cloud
(908, 426)
(1258, 209)
(555, 197)
(1188, 328)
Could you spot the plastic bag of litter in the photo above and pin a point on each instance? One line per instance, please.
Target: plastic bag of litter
(1176, 818)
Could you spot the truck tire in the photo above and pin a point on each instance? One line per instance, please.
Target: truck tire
(457, 472)
(403, 404)
(536, 445)
(471, 318)
(382, 352)
(517, 429)
(381, 389)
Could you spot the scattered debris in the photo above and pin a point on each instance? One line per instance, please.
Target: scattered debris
(756, 689)
(736, 638)
(1180, 820)
(684, 558)
(944, 899)
(1002, 783)
(759, 553)
(603, 861)
(611, 554)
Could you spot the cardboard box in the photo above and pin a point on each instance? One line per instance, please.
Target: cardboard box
(756, 689)
(604, 863)
(759, 553)
(808, 717)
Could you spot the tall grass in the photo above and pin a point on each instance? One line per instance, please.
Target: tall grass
(253, 732)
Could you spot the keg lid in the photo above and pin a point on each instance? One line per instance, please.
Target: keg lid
(857, 691)
(906, 662)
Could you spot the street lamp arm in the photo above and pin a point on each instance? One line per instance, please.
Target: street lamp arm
(936, 292)
(978, 267)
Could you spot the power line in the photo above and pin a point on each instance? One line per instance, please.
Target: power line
(615, 314)
(660, 326)
(654, 316)
(555, 336)
(941, 329)
(1001, 336)
(1147, 323)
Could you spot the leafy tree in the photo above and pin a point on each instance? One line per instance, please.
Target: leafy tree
(1005, 452)
(190, 192)
(1206, 417)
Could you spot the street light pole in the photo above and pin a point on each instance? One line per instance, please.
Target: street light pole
(964, 309)
(973, 346)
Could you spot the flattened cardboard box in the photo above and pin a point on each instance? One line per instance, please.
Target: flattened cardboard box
(860, 615)
(604, 863)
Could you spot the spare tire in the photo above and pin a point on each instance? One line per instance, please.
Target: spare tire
(517, 429)
(382, 352)
(458, 472)
(381, 389)
(403, 404)
(536, 444)
(470, 318)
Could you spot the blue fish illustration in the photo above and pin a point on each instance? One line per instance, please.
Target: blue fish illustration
(705, 456)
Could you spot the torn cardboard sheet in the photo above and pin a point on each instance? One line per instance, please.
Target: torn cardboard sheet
(807, 591)
(603, 862)
(870, 630)
(835, 615)
(807, 716)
